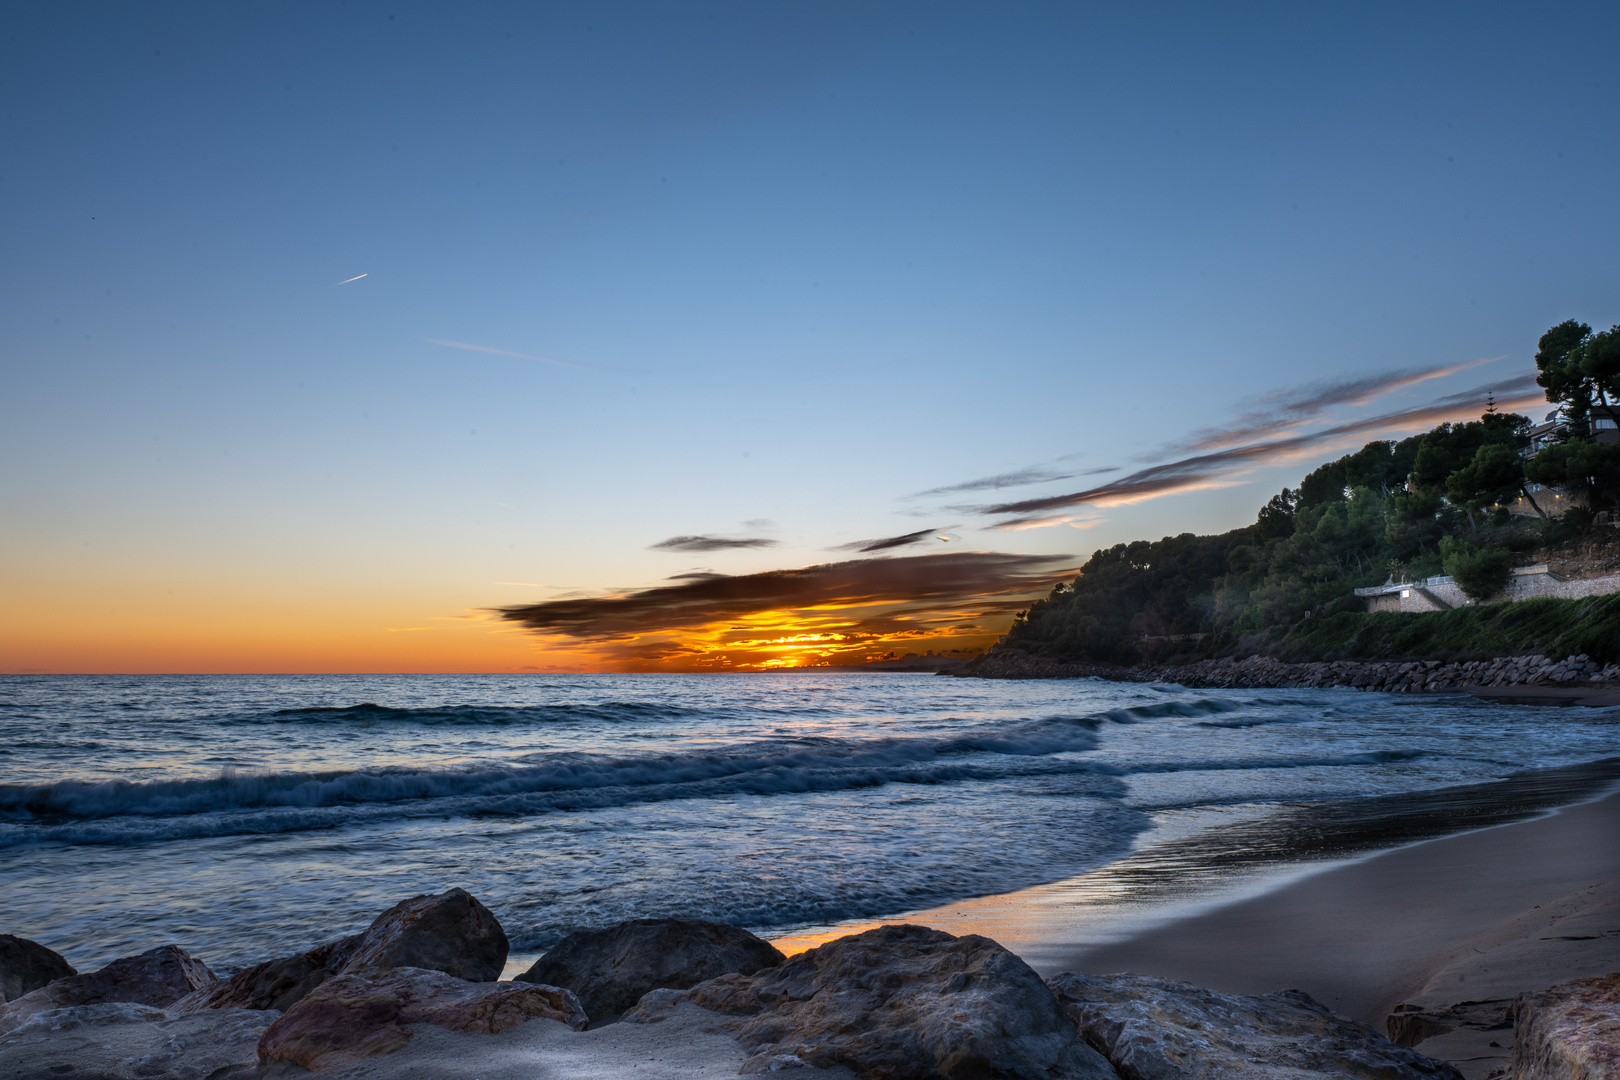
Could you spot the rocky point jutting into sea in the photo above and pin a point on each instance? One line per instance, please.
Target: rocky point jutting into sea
(418, 993)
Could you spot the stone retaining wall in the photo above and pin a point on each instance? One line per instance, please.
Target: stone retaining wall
(1442, 594)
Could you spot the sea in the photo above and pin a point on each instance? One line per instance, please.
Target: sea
(250, 816)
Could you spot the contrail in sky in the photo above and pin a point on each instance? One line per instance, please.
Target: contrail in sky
(356, 277)
(503, 352)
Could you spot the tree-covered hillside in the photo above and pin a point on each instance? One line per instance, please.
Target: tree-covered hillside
(1430, 504)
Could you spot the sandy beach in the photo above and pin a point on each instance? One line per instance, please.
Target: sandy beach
(1486, 913)
(1472, 917)
(1478, 916)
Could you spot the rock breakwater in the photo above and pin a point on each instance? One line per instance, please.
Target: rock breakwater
(1261, 672)
(894, 1003)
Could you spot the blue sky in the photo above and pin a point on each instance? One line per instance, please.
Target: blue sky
(781, 262)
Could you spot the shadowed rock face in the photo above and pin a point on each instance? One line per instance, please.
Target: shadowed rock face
(274, 984)
(449, 932)
(1155, 1029)
(610, 970)
(26, 966)
(125, 1041)
(158, 977)
(1568, 1032)
(351, 1017)
(899, 1003)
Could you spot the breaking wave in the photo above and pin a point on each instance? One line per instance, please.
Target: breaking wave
(276, 802)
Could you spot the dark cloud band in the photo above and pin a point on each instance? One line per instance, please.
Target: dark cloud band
(888, 543)
(711, 543)
(914, 582)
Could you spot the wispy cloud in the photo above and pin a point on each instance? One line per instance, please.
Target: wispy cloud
(712, 543)
(1047, 521)
(887, 543)
(507, 352)
(1202, 471)
(1017, 478)
(1282, 411)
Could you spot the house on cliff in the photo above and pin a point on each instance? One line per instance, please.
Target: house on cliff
(1605, 428)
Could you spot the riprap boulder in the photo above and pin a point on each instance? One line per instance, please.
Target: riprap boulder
(450, 932)
(1568, 1032)
(899, 1003)
(1156, 1029)
(274, 984)
(26, 966)
(350, 1017)
(610, 969)
(158, 977)
(125, 1041)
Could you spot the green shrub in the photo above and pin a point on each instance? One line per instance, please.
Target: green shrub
(1479, 573)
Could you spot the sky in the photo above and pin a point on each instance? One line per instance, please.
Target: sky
(571, 337)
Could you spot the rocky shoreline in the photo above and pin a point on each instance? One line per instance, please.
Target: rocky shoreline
(1267, 672)
(898, 1002)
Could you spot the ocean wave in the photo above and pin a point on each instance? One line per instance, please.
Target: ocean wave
(1252, 721)
(1186, 709)
(1250, 764)
(613, 712)
(277, 802)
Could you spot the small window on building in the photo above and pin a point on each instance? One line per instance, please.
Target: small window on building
(1603, 423)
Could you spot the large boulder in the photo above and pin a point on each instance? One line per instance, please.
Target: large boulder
(350, 1017)
(126, 1041)
(898, 1003)
(1568, 1032)
(158, 977)
(610, 970)
(26, 966)
(449, 932)
(1155, 1029)
(274, 984)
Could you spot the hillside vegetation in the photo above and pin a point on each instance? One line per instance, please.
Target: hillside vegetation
(1435, 503)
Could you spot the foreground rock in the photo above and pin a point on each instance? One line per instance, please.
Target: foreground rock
(609, 970)
(158, 977)
(275, 984)
(126, 1041)
(1155, 1029)
(897, 1003)
(26, 966)
(351, 1017)
(450, 932)
(1570, 1032)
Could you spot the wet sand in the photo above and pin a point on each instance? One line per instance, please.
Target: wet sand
(1190, 866)
(1365, 936)
(1364, 904)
